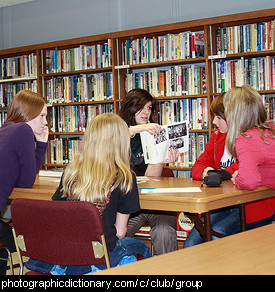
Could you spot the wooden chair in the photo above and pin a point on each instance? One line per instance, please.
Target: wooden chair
(59, 233)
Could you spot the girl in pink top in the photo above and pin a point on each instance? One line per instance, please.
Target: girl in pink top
(250, 139)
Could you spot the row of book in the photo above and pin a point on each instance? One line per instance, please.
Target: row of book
(76, 118)
(257, 72)
(18, 67)
(9, 90)
(173, 81)
(84, 87)
(197, 142)
(163, 48)
(63, 150)
(246, 38)
(193, 110)
(269, 101)
(83, 57)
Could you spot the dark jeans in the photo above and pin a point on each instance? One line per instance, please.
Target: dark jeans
(7, 238)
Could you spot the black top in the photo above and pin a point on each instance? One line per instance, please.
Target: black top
(137, 158)
(125, 204)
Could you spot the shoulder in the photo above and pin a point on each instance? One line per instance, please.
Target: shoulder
(250, 136)
(17, 129)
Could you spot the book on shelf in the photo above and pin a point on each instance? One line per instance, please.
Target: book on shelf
(192, 109)
(18, 66)
(163, 48)
(63, 150)
(246, 38)
(83, 57)
(156, 147)
(269, 102)
(173, 81)
(80, 88)
(76, 118)
(258, 72)
(3, 116)
(9, 90)
(198, 44)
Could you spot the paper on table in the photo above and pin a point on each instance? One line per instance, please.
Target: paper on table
(171, 190)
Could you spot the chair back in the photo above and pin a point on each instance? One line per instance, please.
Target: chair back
(69, 233)
(167, 172)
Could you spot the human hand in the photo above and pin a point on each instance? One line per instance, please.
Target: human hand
(205, 171)
(173, 154)
(152, 128)
(234, 176)
(43, 135)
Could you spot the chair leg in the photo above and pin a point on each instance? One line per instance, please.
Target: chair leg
(8, 259)
(18, 252)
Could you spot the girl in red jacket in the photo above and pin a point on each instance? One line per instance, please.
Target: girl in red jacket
(217, 156)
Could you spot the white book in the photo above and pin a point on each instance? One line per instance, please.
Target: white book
(155, 148)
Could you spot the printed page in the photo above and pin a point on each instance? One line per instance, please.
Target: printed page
(155, 148)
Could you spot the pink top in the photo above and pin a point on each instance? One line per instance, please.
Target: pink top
(256, 168)
(256, 160)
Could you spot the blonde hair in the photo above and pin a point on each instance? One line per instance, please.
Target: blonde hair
(244, 110)
(103, 161)
(25, 106)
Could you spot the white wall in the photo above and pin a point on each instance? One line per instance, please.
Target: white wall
(50, 20)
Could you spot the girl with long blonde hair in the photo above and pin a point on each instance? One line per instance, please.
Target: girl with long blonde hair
(103, 161)
(251, 139)
(100, 173)
(244, 110)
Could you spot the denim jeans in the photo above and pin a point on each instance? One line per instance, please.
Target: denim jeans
(226, 222)
(125, 247)
(132, 246)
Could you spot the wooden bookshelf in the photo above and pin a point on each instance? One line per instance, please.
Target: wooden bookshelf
(118, 68)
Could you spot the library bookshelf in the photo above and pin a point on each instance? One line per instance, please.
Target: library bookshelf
(184, 65)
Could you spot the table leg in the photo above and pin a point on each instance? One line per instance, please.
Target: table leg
(204, 227)
(207, 222)
(243, 218)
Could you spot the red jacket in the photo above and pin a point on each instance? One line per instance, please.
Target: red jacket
(211, 157)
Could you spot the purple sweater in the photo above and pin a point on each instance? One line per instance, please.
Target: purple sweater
(20, 160)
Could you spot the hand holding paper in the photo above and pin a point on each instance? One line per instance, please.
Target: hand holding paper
(156, 148)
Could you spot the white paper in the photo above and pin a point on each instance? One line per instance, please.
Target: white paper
(155, 148)
(171, 190)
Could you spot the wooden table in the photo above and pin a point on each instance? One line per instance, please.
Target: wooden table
(193, 202)
(245, 253)
(43, 189)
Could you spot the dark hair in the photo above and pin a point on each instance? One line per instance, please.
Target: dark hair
(217, 106)
(133, 102)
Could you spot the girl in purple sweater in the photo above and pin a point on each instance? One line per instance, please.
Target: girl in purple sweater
(20, 157)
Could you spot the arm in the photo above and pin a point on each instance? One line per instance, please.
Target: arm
(121, 224)
(30, 158)
(248, 176)
(156, 169)
(152, 128)
(205, 162)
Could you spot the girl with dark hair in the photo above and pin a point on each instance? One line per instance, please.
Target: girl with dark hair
(138, 109)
